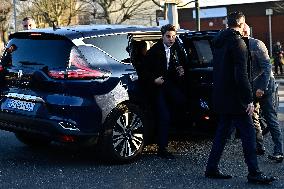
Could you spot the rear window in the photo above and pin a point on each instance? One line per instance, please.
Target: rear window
(46, 52)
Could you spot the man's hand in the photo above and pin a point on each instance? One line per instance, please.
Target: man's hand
(180, 70)
(250, 109)
(159, 81)
(259, 93)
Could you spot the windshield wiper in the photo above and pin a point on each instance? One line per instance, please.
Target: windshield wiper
(29, 63)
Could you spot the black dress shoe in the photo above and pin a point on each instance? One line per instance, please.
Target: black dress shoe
(217, 175)
(278, 158)
(165, 154)
(260, 178)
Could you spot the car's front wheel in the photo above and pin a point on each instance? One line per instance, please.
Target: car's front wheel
(124, 133)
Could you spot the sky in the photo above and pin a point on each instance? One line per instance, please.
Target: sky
(204, 3)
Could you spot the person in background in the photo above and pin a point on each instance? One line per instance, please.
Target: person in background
(264, 96)
(162, 74)
(138, 55)
(28, 23)
(6, 60)
(233, 100)
(277, 55)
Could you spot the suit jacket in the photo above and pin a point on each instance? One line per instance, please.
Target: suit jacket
(156, 63)
(232, 91)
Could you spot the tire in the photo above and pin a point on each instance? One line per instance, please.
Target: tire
(33, 140)
(124, 133)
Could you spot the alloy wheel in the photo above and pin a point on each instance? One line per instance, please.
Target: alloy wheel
(127, 135)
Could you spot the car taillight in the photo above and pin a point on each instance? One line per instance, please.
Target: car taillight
(77, 69)
(56, 74)
(1, 68)
(81, 74)
(35, 34)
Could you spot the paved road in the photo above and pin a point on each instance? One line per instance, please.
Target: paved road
(22, 167)
(57, 167)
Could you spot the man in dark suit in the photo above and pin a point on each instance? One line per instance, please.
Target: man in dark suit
(163, 72)
(233, 99)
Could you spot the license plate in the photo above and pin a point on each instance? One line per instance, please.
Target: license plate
(20, 105)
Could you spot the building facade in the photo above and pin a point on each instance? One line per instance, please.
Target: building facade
(214, 18)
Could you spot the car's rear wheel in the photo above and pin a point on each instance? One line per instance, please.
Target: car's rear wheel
(124, 134)
(33, 140)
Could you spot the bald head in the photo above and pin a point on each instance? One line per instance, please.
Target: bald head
(246, 30)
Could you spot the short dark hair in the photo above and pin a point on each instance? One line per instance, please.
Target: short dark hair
(168, 27)
(27, 18)
(234, 18)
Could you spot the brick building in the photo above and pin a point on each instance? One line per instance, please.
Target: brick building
(214, 17)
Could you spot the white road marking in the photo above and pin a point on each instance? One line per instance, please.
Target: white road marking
(281, 94)
(281, 105)
(281, 98)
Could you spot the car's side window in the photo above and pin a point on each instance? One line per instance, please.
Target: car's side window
(114, 45)
(191, 51)
(96, 58)
(204, 51)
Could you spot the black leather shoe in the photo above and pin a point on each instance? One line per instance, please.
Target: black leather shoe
(217, 175)
(165, 154)
(260, 178)
(278, 158)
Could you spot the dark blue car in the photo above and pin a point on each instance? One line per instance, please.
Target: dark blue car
(78, 85)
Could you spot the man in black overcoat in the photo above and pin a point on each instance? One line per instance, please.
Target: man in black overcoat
(233, 99)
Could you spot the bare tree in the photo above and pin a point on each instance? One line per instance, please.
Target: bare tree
(5, 15)
(279, 7)
(157, 2)
(53, 12)
(119, 11)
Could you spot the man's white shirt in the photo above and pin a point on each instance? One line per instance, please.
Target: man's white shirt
(168, 54)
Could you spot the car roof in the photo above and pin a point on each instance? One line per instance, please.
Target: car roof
(203, 32)
(79, 31)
